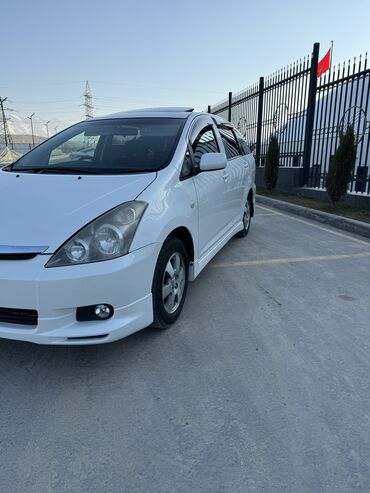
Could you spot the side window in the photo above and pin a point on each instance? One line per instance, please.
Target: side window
(204, 142)
(242, 143)
(230, 142)
(187, 166)
(244, 147)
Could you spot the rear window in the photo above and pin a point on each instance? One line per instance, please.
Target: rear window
(230, 143)
(242, 143)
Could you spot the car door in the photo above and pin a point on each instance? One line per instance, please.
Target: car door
(210, 186)
(249, 161)
(237, 165)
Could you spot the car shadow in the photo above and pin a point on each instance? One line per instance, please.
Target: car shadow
(53, 359)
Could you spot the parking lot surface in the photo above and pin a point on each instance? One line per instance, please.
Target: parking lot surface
(262, 385)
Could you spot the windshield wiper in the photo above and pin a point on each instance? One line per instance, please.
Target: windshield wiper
(71, 169)
(98, 171)
(59, 169)
(92, 171)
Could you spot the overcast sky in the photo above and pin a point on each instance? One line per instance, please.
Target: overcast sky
(160, 53)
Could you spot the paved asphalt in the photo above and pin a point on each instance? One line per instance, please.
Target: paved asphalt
(263, 385)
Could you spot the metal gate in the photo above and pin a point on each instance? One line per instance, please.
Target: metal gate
(306, 114)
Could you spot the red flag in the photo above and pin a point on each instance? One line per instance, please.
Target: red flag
(324, 64)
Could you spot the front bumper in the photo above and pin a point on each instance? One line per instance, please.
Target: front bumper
(125, 283)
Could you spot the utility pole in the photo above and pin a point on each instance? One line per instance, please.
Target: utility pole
(33, 135)
(47, 128)
(88, 103)
(5, 124)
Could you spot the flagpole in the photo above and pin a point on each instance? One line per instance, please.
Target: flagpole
(331, 54)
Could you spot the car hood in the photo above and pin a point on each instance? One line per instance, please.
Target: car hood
(46, 210)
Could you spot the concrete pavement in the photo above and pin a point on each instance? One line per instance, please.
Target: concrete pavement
(263, 385)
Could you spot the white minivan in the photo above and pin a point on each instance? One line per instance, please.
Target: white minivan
(104, 224)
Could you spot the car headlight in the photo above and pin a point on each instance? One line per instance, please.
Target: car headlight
(108, 236)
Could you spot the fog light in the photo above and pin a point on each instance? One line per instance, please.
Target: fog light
(94, 312)
(102, 311)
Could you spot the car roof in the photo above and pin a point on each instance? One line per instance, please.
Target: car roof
(182, 112)
(176, 112)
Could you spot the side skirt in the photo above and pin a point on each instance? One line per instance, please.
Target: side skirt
(197, 266)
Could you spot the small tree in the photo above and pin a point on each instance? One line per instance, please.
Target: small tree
(341, 166)
(272, 163)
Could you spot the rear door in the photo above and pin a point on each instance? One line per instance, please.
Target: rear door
(237, 166)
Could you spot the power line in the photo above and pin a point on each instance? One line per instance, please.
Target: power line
(44, 84)
(149, 86)
(59, 101)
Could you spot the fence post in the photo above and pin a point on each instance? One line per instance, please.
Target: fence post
(230, 101)
(209, 109)
(310, 114)
(259, 120)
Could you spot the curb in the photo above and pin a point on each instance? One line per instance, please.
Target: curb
(350, 225)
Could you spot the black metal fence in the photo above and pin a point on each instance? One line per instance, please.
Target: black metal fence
(306, 114)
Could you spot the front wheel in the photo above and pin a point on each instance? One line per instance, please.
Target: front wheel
(170, 283)
(246, 219)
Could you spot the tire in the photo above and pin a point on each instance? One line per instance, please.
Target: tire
(169, 291)
(247, 217)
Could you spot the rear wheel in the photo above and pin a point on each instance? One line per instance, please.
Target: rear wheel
(247, 216)
(170, 283)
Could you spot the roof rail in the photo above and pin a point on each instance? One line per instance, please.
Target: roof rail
(186, 109)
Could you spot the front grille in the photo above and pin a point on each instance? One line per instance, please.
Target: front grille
(18, 316)
(17, 256)
(15, 252)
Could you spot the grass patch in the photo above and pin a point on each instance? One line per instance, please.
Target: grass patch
(340, 209)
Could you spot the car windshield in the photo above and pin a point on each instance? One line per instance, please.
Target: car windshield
(131, 145)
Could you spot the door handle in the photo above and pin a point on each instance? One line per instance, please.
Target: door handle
(225, 176)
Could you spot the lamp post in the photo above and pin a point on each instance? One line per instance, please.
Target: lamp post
(33, 136)
(47, 128)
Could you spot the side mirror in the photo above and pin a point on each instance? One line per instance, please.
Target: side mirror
(211, 161)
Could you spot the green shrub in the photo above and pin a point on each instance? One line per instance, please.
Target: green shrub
(341, 166)
(272, 164)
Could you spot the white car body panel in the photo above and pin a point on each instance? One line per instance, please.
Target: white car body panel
(55, 293)
(47, 209)
(41, 209)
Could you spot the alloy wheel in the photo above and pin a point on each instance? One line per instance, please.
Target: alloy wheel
(246, 215)
(173, 283)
